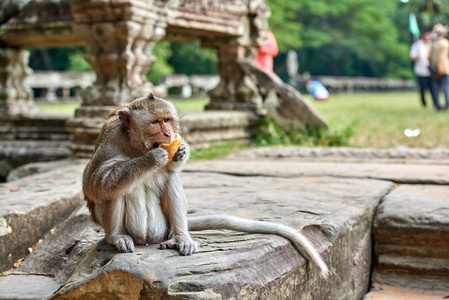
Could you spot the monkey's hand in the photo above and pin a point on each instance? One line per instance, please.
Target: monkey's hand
(185, 244)
(180, 158)
(157, 157)
(181, 154)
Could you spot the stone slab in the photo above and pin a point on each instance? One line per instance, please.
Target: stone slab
(335, 213)
(413, 220)
(407, 287)
(31, 206)
(407, 173)
(17, 153)
(30, 287)
(415, 207)
(350, 154)
(400, 293)
(411, 232)
(333, 206)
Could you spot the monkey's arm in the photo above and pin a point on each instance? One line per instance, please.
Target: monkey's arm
(174, 205)
(111, 178)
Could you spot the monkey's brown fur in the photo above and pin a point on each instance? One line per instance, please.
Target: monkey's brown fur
(135, 193)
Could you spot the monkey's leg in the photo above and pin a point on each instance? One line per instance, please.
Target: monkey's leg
(111, 214)
(174, 205)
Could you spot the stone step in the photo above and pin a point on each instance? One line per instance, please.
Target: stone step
(411, 236)
(412, 250)
(413, 265)
(31, 206)
(387, 292)
(407, 287)
(228, 264)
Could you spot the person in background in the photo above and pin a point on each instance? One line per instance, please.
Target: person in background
(265, 54)
(317, 90)
(439, 54)
(419, 54)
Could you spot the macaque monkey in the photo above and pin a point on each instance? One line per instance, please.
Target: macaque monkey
(136, 195)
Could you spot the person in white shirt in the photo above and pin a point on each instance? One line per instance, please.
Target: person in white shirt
(419, 54)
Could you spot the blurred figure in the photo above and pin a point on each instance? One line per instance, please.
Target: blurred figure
(317, 90)
(439, 54)
(419, 54)
(265, 54)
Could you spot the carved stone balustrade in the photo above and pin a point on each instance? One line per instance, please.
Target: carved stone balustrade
(120, 36)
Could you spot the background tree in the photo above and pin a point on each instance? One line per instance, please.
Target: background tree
(347, 38)
(341, 38)
(190, 58)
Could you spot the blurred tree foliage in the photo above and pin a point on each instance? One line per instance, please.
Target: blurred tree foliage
(190, 58)
(161, 67)
(346, 38)
(341, 38)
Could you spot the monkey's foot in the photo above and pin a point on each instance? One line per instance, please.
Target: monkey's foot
(186, 246)
(124, 243)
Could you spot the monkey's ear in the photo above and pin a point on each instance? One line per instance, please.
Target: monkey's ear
(124, 116)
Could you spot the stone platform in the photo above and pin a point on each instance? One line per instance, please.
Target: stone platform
(334, 204)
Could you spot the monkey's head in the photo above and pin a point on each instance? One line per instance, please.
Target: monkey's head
(149, 122)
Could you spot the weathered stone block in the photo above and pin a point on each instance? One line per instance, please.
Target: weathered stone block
(31, 206)
(335, 213)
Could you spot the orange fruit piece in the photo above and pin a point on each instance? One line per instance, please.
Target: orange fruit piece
(172, 147)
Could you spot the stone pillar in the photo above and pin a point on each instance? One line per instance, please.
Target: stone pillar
(15, 97)
(237, 90)
(120, 36)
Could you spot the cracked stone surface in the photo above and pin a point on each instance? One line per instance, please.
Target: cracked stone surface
(398, 173)
(31, 206)
(332, 204)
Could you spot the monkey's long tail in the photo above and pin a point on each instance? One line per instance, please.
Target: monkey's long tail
(244, 225)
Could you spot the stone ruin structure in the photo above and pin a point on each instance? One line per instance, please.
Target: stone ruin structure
(120, 36)
(340, 207)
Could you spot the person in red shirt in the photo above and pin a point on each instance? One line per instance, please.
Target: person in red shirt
(265, 54)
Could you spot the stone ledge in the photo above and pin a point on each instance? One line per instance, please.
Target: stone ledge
(346, 154)
(399, 287)
(398, 173)
(31, 206)
(335, 213)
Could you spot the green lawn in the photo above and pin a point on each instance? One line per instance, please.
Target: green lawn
(66, 108)
(380, 118)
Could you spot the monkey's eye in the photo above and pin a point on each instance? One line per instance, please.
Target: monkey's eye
(167, 120)
(155, 121)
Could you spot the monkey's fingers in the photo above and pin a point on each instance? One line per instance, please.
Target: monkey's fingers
(187, 248)
(170, 244)
(179, 156)
(123, 243)
(173, 147)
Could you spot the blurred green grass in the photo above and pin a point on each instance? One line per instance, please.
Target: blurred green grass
(380, 118)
